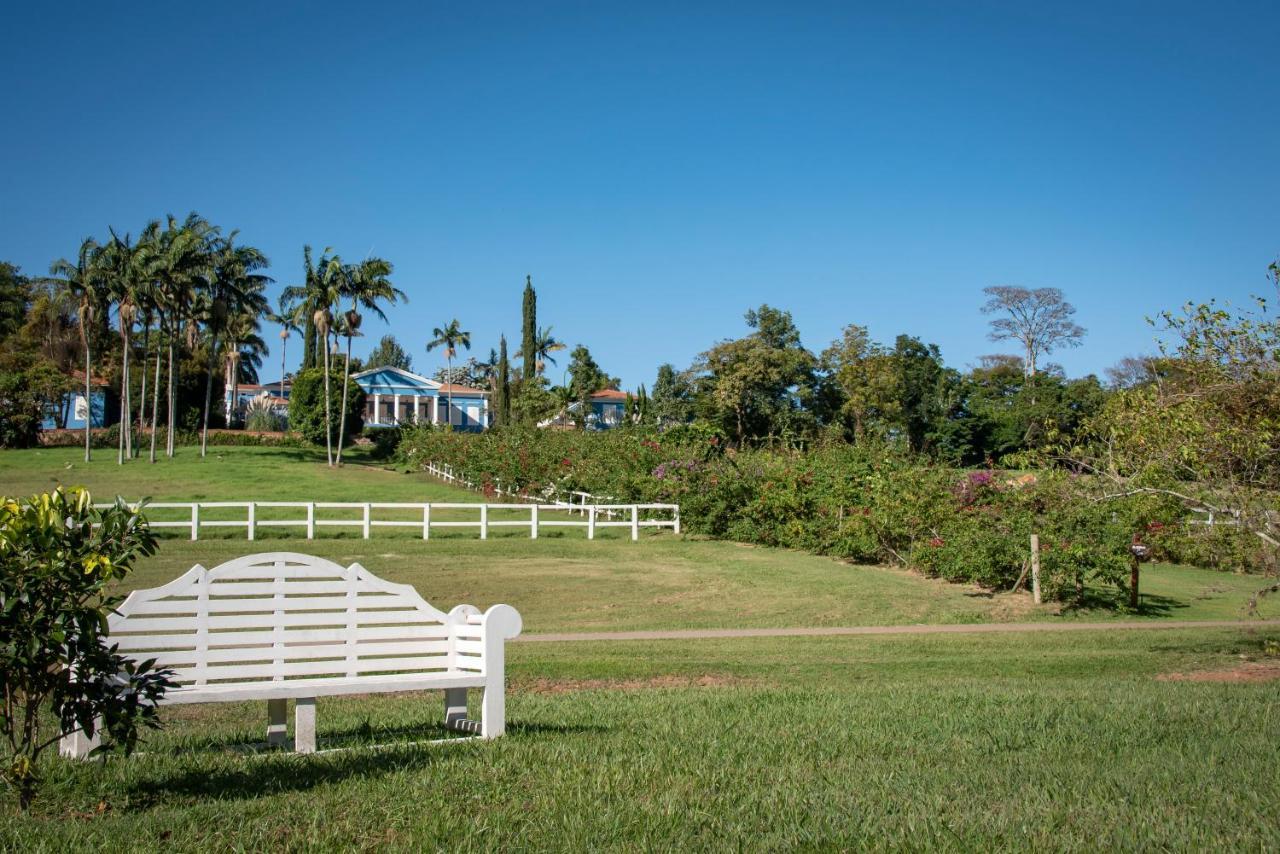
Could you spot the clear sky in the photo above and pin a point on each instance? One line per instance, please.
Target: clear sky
(661, 167)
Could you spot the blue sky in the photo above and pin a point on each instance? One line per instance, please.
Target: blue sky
(661, 167)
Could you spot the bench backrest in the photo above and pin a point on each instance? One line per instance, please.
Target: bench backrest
(284, 616)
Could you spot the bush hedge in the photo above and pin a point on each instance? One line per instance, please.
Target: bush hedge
(866, 503)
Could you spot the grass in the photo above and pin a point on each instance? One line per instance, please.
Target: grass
(1025, 740)
(975, 742)
(562, 582)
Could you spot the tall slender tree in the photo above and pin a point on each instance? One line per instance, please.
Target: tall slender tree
(123, 268)
(529, 336)
(84, 280)
(502, 391)
(450, 336)
(1039, 319)
(364, 285)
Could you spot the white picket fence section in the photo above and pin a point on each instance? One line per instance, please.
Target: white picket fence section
(571, 501)
(596, 516)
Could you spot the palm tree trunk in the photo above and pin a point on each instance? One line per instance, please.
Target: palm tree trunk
(142, 402)
(88, 399)
(328, 423)
(342, 413)
(448, 396)
(208, 394)
(172, 419)
(124, 403)
(155, 404)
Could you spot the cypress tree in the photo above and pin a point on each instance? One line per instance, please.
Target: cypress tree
(530, 340)
(502, 413)
(310, 355)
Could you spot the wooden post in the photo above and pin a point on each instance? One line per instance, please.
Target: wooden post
(195, 520)
(591, 522)
(426, 521)
(677, 519)
(311, 520)
(533, 522)
(252, 518)
(1035, 568)
(366, 520)
(635, 523)
(1133, 581)
(484, 521)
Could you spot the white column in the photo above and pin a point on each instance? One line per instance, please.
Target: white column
(435, 409)
(377, 408)
(396, 408)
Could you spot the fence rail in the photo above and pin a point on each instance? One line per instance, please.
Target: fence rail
(614, 516)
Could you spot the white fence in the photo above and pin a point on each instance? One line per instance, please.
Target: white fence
(614, 516)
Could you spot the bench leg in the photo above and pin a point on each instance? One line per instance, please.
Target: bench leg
(455, 707)
(77, 745)
(493, 710)
(304, 725)
(277, 723)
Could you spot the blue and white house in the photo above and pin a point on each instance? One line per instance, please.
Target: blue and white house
(396, 396)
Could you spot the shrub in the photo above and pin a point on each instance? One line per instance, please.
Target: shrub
(385, 440)
(306, 406)
(260, 417)
(60, 558)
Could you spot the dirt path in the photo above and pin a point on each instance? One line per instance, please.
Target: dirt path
(957, 629)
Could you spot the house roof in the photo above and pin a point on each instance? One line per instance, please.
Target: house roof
(609, 394)
(389, 380)
(450, 388)
(78, 376)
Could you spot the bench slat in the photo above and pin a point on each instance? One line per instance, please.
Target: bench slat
(139, 643)
(245, 672)
(303, 652)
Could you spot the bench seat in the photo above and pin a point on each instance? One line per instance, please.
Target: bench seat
(283, 626)
(293, 689)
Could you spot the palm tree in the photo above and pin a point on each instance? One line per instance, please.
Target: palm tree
(243, 346)
(449, 337)
(544, 344)
(364, 284)
(83, 279)
(122, 261)
(312, 303)
(287, 325)
(235, 290)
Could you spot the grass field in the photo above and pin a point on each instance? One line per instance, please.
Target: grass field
(1022, 740)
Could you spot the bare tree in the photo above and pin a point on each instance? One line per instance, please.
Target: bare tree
(1039, 319)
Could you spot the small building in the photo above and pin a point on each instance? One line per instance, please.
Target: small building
(72, 409)
(395, 396)
(607, 409)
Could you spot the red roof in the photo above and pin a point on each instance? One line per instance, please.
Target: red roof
(446, 388)
(609, 394)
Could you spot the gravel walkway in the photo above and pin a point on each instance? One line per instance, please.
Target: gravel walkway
(956, 629)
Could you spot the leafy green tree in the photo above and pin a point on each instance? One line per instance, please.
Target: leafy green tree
(672, 399)
(62, 566)
(585, 379)
(308, 402)
(862, 372)
(450, 337)
(30, 386)
(15, 298)
(389, 354)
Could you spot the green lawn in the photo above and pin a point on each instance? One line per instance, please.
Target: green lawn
(959, 743)
(562, 582)
(1027, 740)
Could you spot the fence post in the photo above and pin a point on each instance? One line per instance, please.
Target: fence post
(677, 519)
(1035, 568)
(484, 521)
(195, 520)
(311, 520)
(252, 518)
(426, 521)
(366, 520)
(533, 522)
(635, 523)
(591, 522)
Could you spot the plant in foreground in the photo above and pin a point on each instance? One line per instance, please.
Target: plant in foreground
(58, 559)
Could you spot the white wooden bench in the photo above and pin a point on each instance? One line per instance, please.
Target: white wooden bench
(281, 626)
